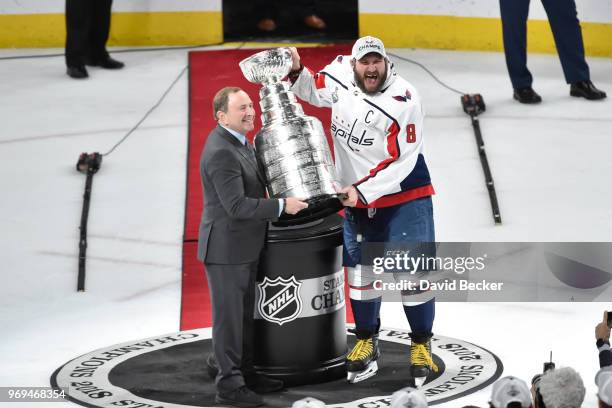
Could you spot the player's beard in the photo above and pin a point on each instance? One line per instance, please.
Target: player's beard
(361, 84)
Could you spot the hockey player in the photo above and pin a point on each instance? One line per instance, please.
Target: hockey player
(377, 128)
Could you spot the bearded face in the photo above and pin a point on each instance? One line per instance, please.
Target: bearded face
(370, 72)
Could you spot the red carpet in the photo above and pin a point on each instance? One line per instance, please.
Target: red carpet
(209, 71)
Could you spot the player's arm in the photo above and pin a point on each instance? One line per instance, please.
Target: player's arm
(307, 85)
(404, 140)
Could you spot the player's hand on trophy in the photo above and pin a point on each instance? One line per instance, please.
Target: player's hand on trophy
(295, 57)
(349, 196)
(294, 205)
(602, 331)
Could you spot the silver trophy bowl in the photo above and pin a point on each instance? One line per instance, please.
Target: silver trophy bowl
(269, 66)
(291, 146)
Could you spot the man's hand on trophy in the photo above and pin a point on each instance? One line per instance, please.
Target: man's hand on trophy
(294, 205)
(295, 57)
(348, 196)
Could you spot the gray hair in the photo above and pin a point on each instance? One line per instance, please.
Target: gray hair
(562, 388)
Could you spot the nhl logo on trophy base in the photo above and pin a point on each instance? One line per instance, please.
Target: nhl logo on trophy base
(291, 146)
(279, 299)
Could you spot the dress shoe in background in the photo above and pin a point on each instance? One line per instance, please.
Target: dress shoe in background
(77, 72)
(586, 89)
(267, 25)
(106, 63)
(314, 21)
(527, 95)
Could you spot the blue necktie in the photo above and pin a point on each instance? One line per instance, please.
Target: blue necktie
(250, 150)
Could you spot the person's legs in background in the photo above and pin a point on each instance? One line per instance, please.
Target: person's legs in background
(78, 24)
(267, 15)
(98, 36)
(311, 19)
(514, 14)
(565, 26)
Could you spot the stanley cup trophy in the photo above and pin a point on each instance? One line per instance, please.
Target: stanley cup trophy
(291, 146)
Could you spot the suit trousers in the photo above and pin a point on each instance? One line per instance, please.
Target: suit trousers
(232, 291)
(87, 30)
(565, 26)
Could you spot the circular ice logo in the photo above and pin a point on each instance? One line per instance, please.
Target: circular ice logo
(170, 371)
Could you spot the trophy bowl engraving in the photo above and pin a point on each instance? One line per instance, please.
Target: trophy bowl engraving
(267, 66)
(291, 146)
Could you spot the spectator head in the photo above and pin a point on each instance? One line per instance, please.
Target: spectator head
(308, 402)
(408, 398)
(561, 388)
(603, 379)
(510, 392)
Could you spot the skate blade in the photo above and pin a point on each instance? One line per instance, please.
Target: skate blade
(357, 376)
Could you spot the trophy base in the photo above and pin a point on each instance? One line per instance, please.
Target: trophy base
(318, 207)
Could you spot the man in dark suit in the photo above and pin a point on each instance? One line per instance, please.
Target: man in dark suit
(232, 235)
(87, 29)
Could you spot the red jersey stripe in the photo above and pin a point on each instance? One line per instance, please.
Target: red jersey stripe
(399, 198)
(320, 80)
(392, 148)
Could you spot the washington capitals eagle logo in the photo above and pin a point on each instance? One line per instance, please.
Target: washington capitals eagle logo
(404, 98)
(279, 299)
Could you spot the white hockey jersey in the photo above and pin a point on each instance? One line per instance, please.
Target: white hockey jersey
(378, 139)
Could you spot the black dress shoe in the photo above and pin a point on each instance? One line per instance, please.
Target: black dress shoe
(77, 72)
(106, 63)
(256, 382)
(527, 95)
(262, 384)
(241, 397)
(587, 90)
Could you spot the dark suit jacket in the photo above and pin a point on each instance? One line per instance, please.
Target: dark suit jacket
(236, 214)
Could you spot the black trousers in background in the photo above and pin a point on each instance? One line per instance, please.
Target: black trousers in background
(232, 291)
(272, 8)
(87, 29)
(565, 27)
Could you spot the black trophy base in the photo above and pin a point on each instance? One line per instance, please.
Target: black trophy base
(318, 207)
(328, 371)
